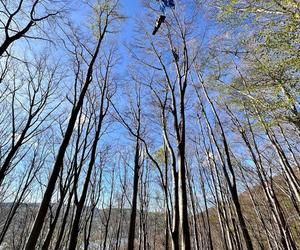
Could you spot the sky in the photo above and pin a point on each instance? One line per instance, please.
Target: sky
(131, 6)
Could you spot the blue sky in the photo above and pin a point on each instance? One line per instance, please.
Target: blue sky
(131, 6)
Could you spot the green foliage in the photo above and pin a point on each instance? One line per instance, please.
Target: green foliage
(269, 73)
(159, 156)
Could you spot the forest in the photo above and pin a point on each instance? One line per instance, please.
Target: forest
(114, 138)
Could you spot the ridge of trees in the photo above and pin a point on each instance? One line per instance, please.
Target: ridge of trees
(195, 146)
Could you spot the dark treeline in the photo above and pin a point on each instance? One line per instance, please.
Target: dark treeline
(111, 138)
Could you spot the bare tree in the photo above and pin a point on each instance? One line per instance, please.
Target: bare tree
(39, 86)
(107, 12)
(18, 18)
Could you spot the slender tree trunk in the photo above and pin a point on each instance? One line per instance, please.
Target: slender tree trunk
(119, 227)
(63, 223)
(40, 218)
(183, 204)
(131, 235)
(269, 191)
(108, 218)
(194, 212)
(19, 197)
(175, 227)
(210, 243)
(80, 205)
(231, 184)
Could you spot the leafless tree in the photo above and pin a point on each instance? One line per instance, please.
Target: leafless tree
(107, 13)
(19, 18)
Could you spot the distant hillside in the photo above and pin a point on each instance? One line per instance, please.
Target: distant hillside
(249, 212)
(27, 211)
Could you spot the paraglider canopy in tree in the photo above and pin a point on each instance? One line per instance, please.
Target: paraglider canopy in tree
(163, 4)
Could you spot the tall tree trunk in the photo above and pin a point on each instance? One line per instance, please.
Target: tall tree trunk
(194, 211)
(231, 183)
(137, 166)
(42, 212)
(64, 222)
(80, 205)
(108, 216)
(131, 234)
(267, 185)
